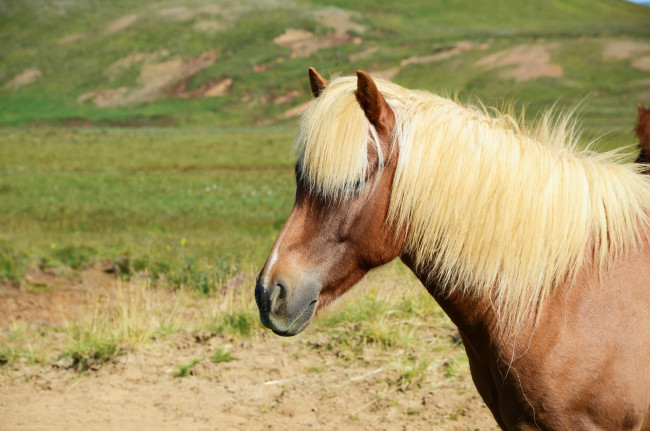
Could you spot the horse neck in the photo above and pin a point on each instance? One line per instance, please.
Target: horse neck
(470, 314)
(475, 317)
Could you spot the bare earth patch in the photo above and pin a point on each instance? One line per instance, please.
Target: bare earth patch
(136, 59)
(304, 43)
(460, 47)
(72, 38)
(642, 63)
(209, 26)
(386, 73)
(623, 49)
(523, 63)
(120, 24)
(340, 20)
(208, 89)
(263, 67)
(231, 382)
(25, 78)
(47, 299)
(156, 80)
(286, 97)
(296, 110)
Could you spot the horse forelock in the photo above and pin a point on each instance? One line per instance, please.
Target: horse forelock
(491, 207)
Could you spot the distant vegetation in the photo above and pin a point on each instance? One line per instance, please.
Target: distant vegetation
(201, 62)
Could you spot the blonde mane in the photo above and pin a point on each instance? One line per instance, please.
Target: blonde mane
(490, 207)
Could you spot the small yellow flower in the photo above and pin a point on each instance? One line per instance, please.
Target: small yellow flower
(168, 247)
(183, 241)
(52, 246)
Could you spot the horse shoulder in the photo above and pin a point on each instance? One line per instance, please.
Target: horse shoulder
(585, 363)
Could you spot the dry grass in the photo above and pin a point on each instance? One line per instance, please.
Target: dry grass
(388, 315)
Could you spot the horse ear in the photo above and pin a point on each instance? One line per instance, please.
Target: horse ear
(373, 103)
(316, 82)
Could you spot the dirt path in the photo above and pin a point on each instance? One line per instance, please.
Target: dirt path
(272, 383)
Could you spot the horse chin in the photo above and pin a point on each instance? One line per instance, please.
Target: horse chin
(296, 325)
(294, 330)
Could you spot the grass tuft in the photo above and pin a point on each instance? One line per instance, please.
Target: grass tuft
(238, 323)
(411, 373)
(75, 257)
(90, 353)
(220, 356)
(13, 264)
(185, 370)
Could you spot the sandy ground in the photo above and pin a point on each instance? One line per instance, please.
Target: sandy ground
(274, 383)
(523, 63)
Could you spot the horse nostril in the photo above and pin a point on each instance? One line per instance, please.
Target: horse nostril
(278, 295)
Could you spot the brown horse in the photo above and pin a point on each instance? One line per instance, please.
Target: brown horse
(538, 251)
(643, 133)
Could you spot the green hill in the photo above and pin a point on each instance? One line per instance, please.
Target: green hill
(244, 62)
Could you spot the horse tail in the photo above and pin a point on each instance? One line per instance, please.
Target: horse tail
(643, 133)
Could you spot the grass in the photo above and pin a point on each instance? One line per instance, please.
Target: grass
(119, 321)
(185, 370)
(190, 207)
(33, 35)
(220, 356)
(12, 263)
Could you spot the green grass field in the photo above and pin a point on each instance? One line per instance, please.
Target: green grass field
(161, 198)
(188, 190)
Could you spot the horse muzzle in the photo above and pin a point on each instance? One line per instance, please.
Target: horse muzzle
(284, 309)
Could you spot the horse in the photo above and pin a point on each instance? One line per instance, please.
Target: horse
(643, 133)
(538, 250)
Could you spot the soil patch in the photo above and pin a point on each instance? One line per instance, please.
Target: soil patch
(304, 43)
(263, 382)
(341, 21)
(27, 77)
(296, 110)
(387, 73)
(642, 63)
(460, 47)
(208, 89)
(287, 97)
(72, 38)
(210, 26)
(523, 63)
(270, 385)
(136, 59)
(120, 24)
(156, 81)
(623, 49)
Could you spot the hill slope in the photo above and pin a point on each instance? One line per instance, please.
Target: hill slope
(229, 62)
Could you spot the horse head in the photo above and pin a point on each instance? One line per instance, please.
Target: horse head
(329, 242)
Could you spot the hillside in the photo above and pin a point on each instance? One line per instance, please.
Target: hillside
(199, 62)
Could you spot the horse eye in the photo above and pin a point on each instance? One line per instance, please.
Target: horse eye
(358, 187)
